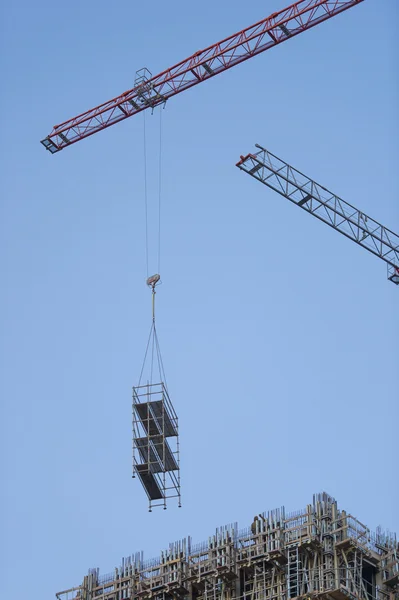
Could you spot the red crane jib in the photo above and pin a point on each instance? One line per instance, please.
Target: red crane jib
(201, 66)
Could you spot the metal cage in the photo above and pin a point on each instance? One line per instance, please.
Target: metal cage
(156, 458)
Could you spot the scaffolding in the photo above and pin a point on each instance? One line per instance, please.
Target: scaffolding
(320, 552)
(156, 458)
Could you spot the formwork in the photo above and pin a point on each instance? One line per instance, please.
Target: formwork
(319, 552)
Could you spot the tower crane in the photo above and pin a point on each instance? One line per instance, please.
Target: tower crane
(151, 91)
(323, 204)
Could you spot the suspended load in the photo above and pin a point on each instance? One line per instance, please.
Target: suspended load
(156, 459)
(155, 443)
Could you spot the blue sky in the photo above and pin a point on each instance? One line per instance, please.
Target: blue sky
(279, 336)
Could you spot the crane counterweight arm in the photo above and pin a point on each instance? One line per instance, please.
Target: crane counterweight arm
(204, 64)
(323, 204)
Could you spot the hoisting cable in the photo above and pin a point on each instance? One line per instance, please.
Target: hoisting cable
(159, 189)
(145, 355)
(153, 347)
(160, 362)
(145, 195)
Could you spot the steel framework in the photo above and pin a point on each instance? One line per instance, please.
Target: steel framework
(318, 553)
(150, 91)
(326, 206)
(156, 457)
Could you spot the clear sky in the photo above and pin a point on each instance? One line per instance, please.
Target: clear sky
(279, 336)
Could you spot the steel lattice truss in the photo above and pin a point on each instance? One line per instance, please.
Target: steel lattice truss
(204, 64)
(326, 206)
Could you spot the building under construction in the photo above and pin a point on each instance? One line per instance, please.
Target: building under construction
(318, 552)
